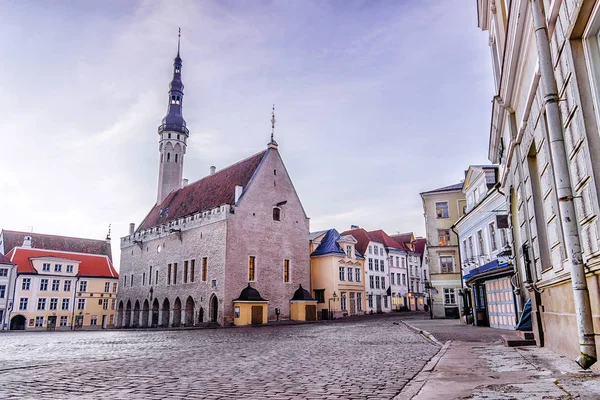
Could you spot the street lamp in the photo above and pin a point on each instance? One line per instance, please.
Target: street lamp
(428, 287)
(332, 298)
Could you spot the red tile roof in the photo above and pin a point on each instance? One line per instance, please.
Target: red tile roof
(4, 259)
(14, 239)
(91, 265)
(420, 245)
(207, 193)
(362, 237)
(382, 237)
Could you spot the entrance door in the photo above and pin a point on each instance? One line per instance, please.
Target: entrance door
(311, 312)
(352, 303)
(378, 303)
(501, 304)
(104, 322)
(78, 322)
(17, 323)
(51, 325)
(257, 315)
(214, 309)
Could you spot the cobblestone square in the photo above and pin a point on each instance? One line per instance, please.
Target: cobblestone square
(367, 358)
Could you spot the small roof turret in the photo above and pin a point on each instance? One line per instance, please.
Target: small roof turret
(302, 294)
(249, 294)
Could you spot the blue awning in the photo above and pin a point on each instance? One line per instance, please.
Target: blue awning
(492, 265)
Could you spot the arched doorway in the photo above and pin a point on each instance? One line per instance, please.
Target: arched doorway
(201, 315)
(177, 312)
(145, 314)
(155, 306)
(136, 314)
(189, 311)
(17, 323)
(166, 310)
(120, 315)
(127, 322)
(214, 309)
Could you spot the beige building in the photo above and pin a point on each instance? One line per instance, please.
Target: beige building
(544, 135)
(337, 274)
(442, 208)
(62, 290)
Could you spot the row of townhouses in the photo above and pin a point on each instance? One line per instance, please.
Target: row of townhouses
(526, 233)
(233, 247)
(52, 282)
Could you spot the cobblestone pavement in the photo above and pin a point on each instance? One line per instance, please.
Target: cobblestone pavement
(367, 358)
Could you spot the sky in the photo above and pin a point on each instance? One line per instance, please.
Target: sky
(376, 101)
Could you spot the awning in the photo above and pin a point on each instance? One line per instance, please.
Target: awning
(486, 268)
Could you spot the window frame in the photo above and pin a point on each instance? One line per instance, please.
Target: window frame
(438, 216)
(251, 268)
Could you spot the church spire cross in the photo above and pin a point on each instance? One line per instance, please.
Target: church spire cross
(178, 41)
(174, 121)
(273, 124)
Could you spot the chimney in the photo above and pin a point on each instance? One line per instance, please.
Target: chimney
(238, 192)
(354, 227)
(212, 169)
(131, 228)
(185, 182)
(27, 241)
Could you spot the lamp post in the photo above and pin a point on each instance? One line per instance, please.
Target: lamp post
(332, 298)
(428, 287)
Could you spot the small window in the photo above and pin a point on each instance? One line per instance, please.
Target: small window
(320, 295)
(441, 209)
(276, 214)
(274, 172)
(169, 136)
(176, 157)
(286, 271)
(444, 237)
(204, 268)
(251, 268)
(169, 154)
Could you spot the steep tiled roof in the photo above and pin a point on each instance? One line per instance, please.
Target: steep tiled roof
(91, 265)
(456, 186)
(420, 245)
(4, 259)
(404, 237)
(207, 193)
(329, 244)
(362, 237)
(382, 237)
(14, 239)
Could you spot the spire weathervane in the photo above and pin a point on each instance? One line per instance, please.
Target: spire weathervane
(273, 124)
(178, 41)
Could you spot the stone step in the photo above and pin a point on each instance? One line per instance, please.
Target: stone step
(516, 341)
(525, 335)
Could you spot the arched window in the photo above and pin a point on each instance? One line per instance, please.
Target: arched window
(276, 214)
(168, 157)
(169, 136)
(161, 158)
(176, 157)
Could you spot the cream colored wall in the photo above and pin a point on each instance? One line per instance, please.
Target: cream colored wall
(95, 293)
(245, 317)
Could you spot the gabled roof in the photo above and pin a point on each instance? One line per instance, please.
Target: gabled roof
(451, 188)
(362, 237)
(90, 265)
(329, 245)
(205, 194)
(382, 237)
(14, 239)
(5, 260)
(420, 245)
(314, 235)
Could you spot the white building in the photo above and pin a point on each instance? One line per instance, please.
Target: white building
(7, 281)
(483, 237)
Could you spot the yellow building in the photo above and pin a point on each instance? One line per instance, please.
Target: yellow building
(62, 290)
(250, 308)
(336, 274)
(442, 208)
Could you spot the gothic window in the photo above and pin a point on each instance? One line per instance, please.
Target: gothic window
(176, 157)
(161, 158)
(168, 156)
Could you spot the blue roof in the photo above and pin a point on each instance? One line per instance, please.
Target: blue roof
(329, 245)
(492, 265)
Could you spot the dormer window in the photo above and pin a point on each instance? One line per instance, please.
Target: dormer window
(276, 214)
(349, 254)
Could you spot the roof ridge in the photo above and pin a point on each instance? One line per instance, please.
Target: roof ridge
(58, 251)
(51, 235)
(223, 169)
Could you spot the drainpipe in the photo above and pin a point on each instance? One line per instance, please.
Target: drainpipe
(462, 285)
(587, 342)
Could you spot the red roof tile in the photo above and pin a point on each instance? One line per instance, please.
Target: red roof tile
(420, 245)
(4, 259)
(382, 237)
(207, 193)
(362, 237)
(14, 239)
(91, 265)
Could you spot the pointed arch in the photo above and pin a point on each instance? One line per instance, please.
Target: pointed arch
(155, 307)
(201, 315)
(145, 313)
(127, 322)
(120, 314)
(177, 312)
(136, 314)
(166, 311)
(214, 308)
(189, 311)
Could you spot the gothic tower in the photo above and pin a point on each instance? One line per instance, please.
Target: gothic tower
(173, 136)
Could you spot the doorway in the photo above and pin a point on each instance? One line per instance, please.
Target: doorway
(51, 325)
(17, 323)
(214, 309)
(257, 315)
(378, 301)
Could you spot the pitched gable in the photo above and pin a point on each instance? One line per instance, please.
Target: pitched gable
(205, 194)
(382, 237)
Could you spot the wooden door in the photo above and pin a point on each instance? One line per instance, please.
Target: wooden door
(311, 312)
(257, 315)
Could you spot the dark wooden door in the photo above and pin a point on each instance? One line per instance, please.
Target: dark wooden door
(257, 315)
(311, 312)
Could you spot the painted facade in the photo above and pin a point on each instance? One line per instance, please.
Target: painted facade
(442, 207)
(544, 136)
(62, 291)
(7, 281)
(337, 275)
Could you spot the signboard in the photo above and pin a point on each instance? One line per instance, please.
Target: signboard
(434, 291)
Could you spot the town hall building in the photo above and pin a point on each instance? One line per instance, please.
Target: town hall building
(202, 243)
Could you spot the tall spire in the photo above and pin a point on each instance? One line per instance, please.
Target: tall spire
(174, 120)
(273, 143)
